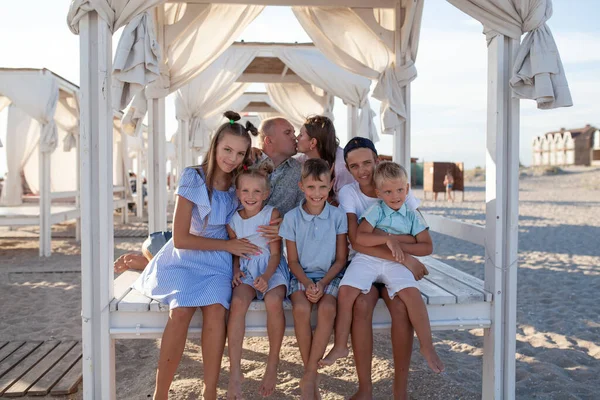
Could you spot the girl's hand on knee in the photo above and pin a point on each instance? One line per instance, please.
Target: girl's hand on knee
(261, 284)
(242, 248)
(237, 278)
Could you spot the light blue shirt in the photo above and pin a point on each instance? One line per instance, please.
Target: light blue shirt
(315, 237)
(400, 222)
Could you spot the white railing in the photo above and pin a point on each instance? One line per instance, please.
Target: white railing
(458, 229)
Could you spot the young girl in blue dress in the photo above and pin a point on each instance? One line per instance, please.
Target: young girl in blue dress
(194, 269)
(263, 276)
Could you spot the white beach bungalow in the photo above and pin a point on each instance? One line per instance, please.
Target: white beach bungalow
(377, 39)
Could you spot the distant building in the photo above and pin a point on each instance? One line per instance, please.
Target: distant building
(568, 147)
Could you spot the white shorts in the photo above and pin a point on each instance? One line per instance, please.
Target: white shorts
(365, 270)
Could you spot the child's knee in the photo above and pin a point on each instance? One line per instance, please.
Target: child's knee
(409, 294)
(274, 304)
(181, 315)
(327, 310)
(302, 310)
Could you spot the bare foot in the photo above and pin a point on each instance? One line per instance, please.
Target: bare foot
(234, 390)
(334, 354)
(433, 360)
(308, 388)
(269, 381)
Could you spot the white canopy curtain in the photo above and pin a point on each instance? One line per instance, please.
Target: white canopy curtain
(297, 101)
(349, 42)
(36, 93)
(538, 72)
(138, 61)
(312, 66)
(210, 93)
(21, 138)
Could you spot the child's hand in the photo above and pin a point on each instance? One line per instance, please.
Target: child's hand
(237, 278)
(415, 266)
(242, 248)
(271, 231)
(397, 252)
(316, 292)
(261, 284)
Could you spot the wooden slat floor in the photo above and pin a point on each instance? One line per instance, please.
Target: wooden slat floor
(38, 368)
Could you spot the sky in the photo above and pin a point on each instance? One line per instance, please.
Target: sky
(448, 97)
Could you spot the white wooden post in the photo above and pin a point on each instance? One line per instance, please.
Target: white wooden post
(157, 168)
(78, 195)
(502, 197)
(352, 112)
(45, 203)
(127, 193)
(139, 184)
(401, 140)
(96, 130)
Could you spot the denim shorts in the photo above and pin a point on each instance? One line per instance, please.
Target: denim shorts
(155, 241)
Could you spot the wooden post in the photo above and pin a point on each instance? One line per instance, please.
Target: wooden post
(45, 202)
(96, 130)
(139, 206)
(502, 197)
(401, 140)
(157, 174)
(353, 122)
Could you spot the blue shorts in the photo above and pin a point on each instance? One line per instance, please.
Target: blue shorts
(154, 242)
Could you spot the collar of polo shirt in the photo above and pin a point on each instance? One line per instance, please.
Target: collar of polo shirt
(387, 210)
(309, 217)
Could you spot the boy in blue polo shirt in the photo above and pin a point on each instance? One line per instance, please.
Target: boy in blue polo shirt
(391, 217)
(315, 234)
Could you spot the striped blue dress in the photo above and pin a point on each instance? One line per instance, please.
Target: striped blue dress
(194, 278)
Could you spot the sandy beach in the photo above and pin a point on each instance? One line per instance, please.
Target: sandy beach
(558, 333)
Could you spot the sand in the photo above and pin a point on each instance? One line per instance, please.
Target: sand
(558, 333)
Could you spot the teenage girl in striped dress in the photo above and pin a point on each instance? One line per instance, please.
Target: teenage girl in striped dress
(194, 269)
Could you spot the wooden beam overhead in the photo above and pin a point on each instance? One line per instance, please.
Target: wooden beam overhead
(330, 3)
(256, 106)
(270, 78)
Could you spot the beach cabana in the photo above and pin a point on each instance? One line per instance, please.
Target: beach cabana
(377, 39)
(41, 146)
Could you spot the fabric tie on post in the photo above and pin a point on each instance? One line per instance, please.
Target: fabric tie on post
(70, 142)
(136, 60)
(389, 90)
(538, 73)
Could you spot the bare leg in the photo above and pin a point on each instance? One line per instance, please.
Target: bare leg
(240, 301)
(362, 342)
(346, 297)
(276, 330)
(417, 312)
(325, 319)
(402, 341)
(214, 333)
(171, 349)
(301, 309)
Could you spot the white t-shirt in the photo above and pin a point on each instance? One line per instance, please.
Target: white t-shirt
(342, 175)
(353, 201)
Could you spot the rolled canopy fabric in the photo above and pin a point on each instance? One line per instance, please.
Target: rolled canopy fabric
(538, 73)
(348, 41)
(211, 93)
(116, 13)
(187, 52)
(312, 66)
(297, 101)
(36, 93)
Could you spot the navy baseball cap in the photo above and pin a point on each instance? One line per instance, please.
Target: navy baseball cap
(358, 143)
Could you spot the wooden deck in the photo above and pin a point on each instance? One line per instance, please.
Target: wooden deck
(37, 368)
(455, 300)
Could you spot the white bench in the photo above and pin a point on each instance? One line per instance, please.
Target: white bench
(455, 300)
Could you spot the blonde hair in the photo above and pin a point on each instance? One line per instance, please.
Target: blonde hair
(234, 128)
(262, 170)
(388, 170)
